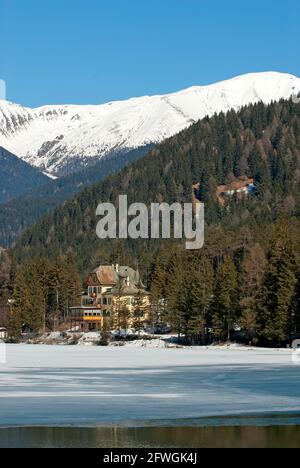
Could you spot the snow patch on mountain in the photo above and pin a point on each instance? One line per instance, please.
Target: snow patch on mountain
(61, 139)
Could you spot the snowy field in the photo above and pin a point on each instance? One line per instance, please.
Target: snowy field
(62, 385)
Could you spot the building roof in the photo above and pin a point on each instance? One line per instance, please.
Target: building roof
(133, 275)
(106, 275)
(118, 277)
(234, 186)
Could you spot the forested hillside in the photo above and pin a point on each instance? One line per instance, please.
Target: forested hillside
(259, 141)
(17, 177)
(19, 213)
(246, 280)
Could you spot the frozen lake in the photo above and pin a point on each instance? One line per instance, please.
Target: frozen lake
(79, 386)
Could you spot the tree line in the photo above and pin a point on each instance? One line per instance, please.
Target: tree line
(243, 285)
(41, 293)
(246, 289)
(246, 279)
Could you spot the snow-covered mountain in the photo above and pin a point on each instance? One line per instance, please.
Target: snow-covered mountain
(61, 139)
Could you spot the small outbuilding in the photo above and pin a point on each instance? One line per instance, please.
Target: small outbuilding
(3, 333)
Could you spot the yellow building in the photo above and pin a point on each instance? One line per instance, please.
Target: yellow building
(116, 297)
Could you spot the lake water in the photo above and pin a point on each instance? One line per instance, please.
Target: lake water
(153, 437)
(131, 397)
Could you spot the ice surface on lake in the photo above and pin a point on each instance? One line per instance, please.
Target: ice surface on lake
(61, 385)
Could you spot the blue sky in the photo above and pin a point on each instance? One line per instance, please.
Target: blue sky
(93, 51)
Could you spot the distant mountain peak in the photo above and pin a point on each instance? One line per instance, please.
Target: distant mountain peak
(60, 139)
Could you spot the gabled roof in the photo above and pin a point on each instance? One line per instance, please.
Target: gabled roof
(106, 275)
(122, 277)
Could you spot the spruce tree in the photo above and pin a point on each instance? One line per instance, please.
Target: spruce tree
(278, 289)
(225, 305)
(200, 283)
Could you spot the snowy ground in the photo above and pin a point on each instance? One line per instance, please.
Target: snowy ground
(61, 385)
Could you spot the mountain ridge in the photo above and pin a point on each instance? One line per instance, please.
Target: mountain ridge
(66, 138)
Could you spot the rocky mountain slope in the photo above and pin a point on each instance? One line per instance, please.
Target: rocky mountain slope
(66, 138)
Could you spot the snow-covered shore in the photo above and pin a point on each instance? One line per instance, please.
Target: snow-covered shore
(62, 385)
(144, 341)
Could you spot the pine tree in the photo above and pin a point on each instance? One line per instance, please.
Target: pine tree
(140, 311)
(14, 323)
(124, 317)
(158, 297)
(177, 294)
(252, 272)
(225, 298)
(200, 295)
(37, 300)
(20, 309)
(278, 289)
